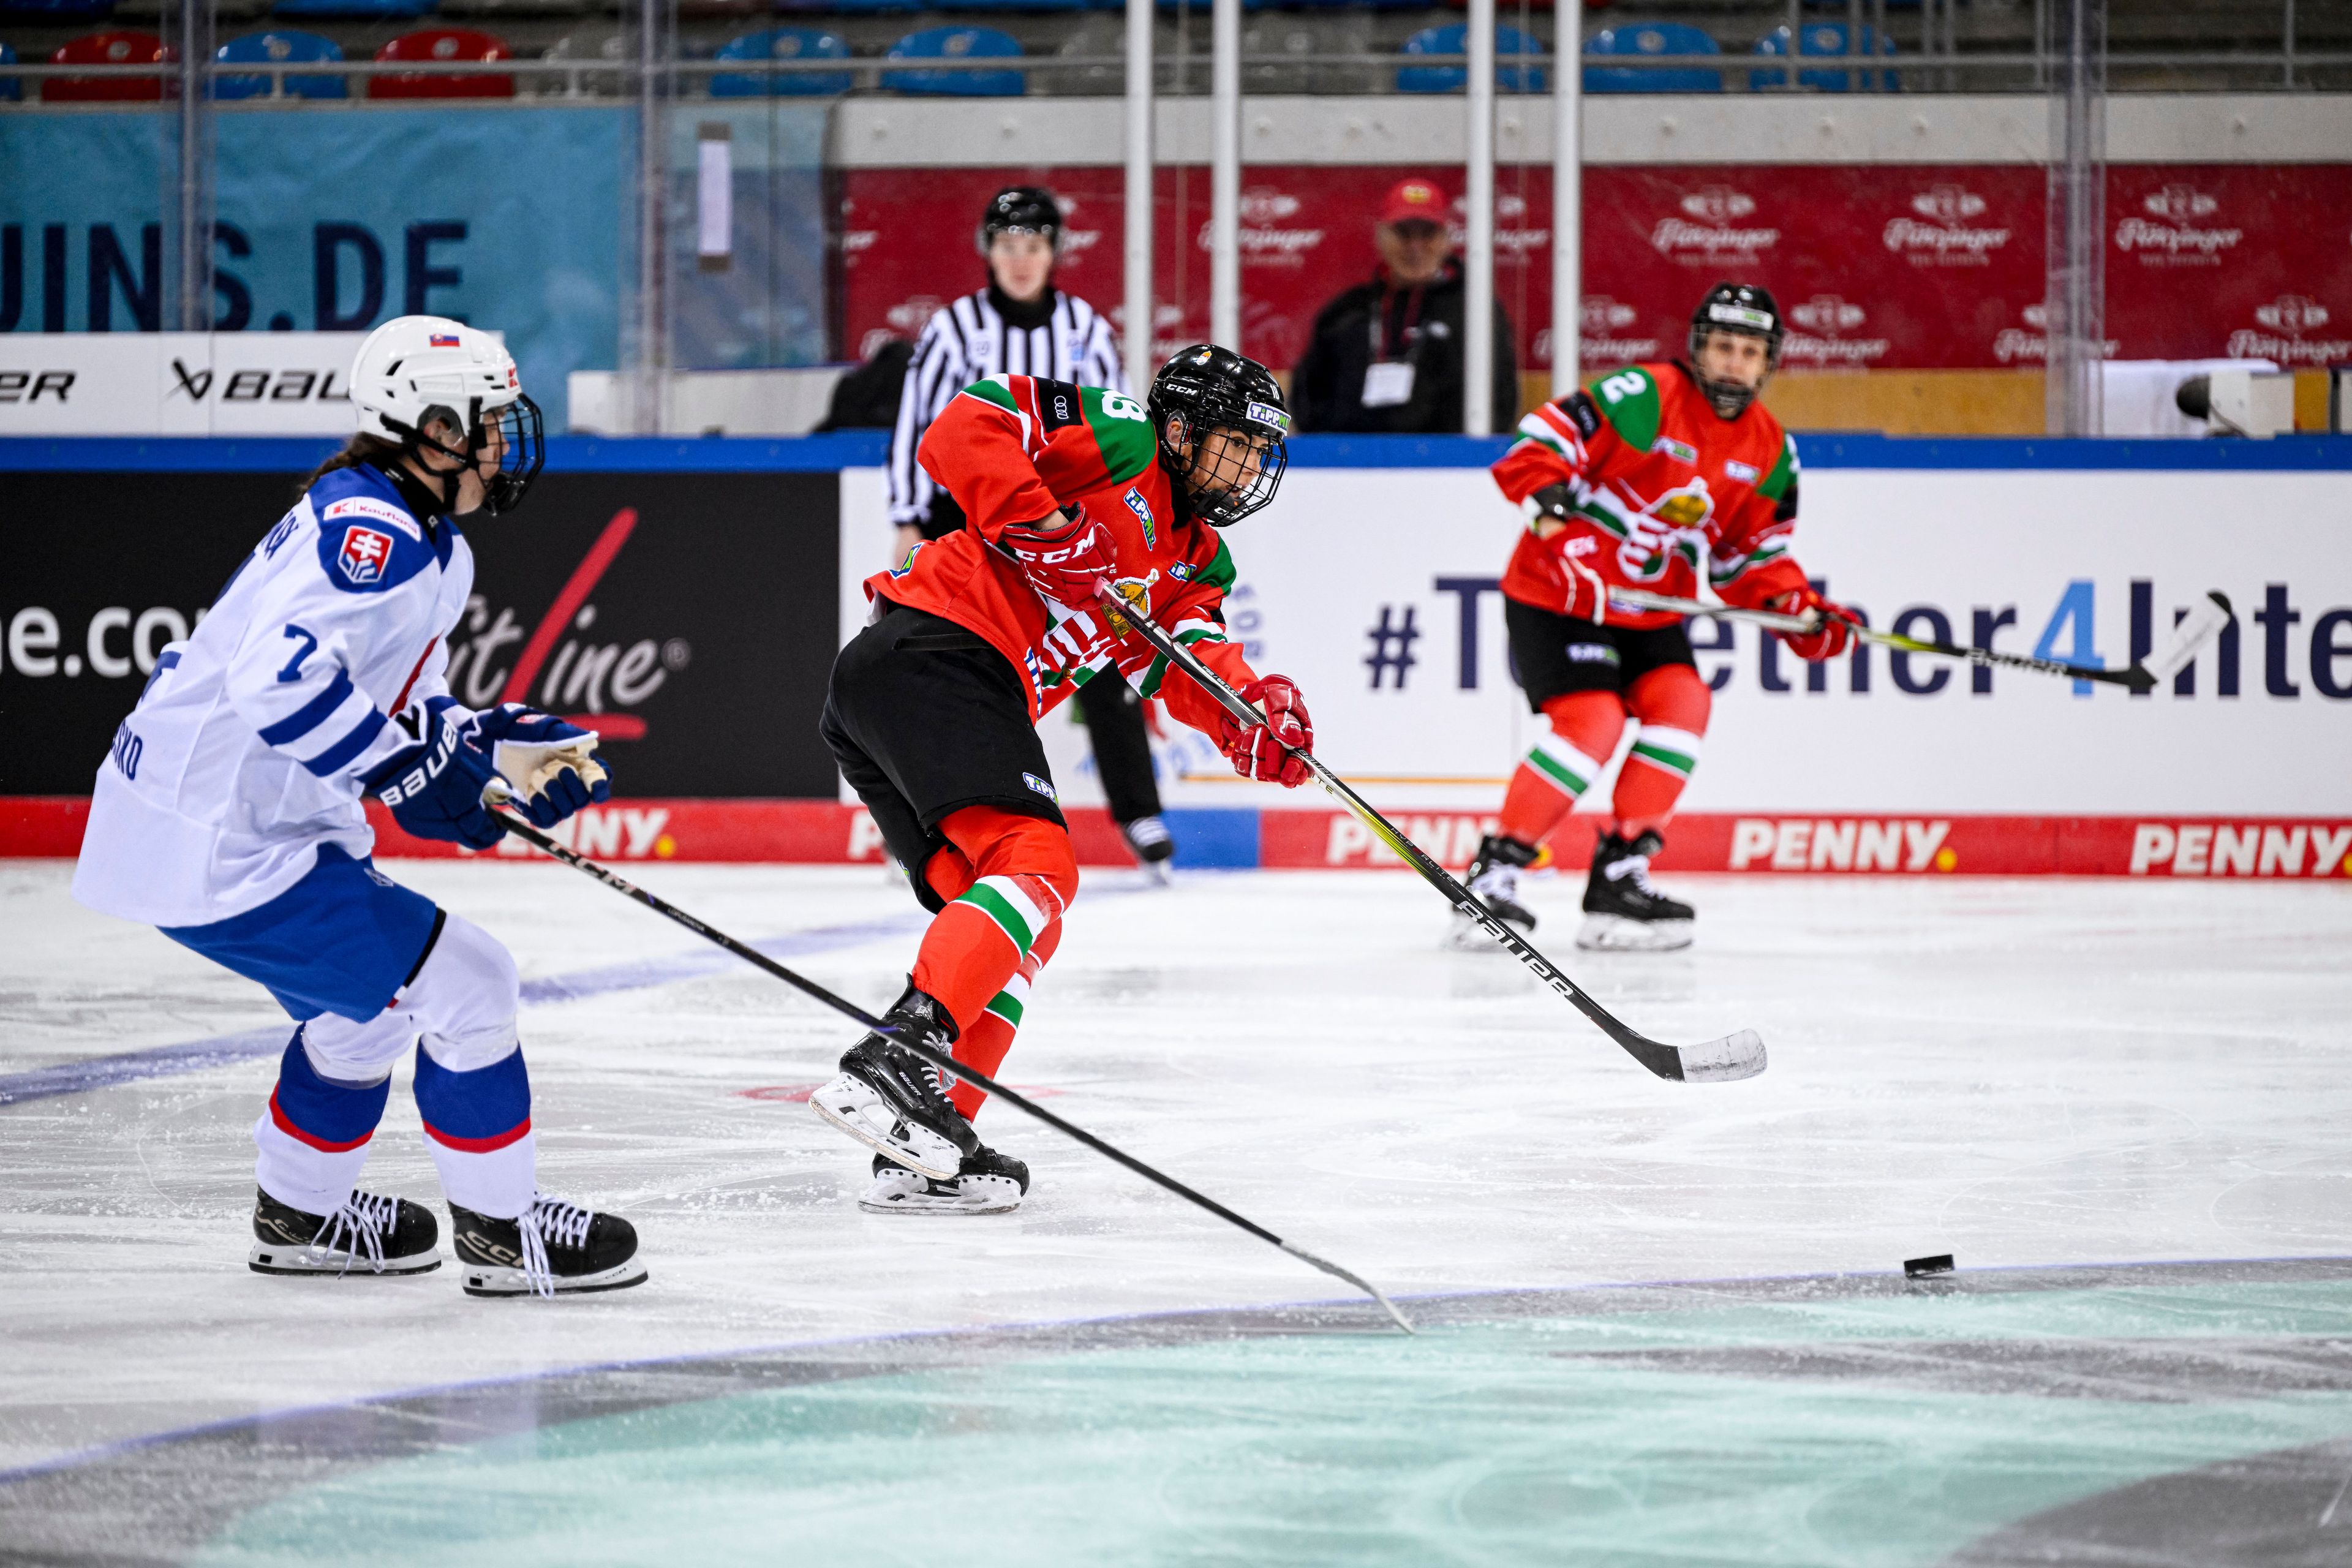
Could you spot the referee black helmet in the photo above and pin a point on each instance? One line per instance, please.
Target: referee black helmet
(1020, 209)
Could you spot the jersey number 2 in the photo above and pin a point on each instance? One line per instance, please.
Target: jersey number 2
(1617, 388)
(293, 670)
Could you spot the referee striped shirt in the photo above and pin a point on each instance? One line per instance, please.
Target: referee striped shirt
(1061, 338)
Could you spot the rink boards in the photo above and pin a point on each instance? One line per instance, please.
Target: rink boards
(683, 597)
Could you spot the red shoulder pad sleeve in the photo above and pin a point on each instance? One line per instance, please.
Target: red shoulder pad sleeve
(981, 452)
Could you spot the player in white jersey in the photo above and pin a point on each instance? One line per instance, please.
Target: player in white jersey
(229, 815)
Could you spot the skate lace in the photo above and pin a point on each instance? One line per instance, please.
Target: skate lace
(1634, 868)
(549, 1221)
(359, 1227)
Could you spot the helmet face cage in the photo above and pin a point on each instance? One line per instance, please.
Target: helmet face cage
(1203, 390)
(523, 453)
(1744, 309)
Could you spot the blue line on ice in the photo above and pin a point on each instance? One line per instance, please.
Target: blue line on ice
(194, 1056)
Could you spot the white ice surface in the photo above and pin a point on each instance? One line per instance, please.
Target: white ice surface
(2014, 1071)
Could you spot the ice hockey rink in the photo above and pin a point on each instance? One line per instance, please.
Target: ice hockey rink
(1661, 1323)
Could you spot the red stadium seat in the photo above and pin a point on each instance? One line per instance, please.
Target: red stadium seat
(443, 44)
(118, 48)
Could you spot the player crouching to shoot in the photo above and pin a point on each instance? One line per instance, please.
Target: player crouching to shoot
(229, 815)
(933, 708)
(1645, 479)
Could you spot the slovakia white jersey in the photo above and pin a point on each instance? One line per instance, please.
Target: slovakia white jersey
(250, 744)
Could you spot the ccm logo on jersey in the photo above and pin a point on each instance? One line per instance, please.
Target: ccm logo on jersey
(363, 506)
(364, 553)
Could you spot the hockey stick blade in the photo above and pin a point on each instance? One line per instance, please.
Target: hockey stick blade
(497, 794)
(1732, 1058)
(2202, 625)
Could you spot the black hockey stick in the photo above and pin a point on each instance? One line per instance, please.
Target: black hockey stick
(1717, 1061)
(2201, 624)
(940, 1060)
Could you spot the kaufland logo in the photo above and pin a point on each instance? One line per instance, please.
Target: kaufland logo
(2286, 320)
(1826, 318)
(1941, 236)
(1716, 208)
(2169, 236)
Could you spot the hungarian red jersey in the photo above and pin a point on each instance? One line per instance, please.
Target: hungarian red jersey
(1679, 489)
(1015, 448)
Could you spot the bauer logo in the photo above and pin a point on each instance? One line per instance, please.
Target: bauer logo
(364, 552)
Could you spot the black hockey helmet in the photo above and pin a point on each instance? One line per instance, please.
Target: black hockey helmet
(1020, 209)
(1206, 388)
(1748, 309)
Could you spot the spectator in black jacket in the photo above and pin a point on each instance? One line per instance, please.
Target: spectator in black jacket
(1387, 355)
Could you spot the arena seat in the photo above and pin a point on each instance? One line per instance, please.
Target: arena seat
(1454, 38)
(1652, 39)
(784, 44)
(955, 44)
(849, 7)
(279, 48)
(115, 47)
(442, 43)
(1824, 39)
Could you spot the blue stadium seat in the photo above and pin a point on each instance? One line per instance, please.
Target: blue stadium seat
(1010, 4)
(11, 88)
(1454, 38)
(280, 47)
(1652, 39)
(359, 9)
(1823, 38)
(783, 44)
(955, 44)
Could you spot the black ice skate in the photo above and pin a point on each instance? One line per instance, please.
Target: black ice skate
(374, 1235)
(1494, 879)
(1147, 840)
(890, 1099)
(989, 1183)
(555, 1248)
(1622, 910)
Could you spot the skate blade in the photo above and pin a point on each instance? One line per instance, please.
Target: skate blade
(277, 1257)
(973, 1195)
(490, 1280)
(851, 1104)
(1615, 934)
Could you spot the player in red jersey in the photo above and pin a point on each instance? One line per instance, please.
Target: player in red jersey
(933, 708)
(1651, 478)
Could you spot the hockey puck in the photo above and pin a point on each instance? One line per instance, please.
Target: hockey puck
(1923, 1267)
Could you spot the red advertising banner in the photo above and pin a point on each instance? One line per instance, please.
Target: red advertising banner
(1894, 267)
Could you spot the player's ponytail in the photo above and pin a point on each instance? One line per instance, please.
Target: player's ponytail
(363, 447)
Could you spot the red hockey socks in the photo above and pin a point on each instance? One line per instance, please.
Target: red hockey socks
(1021, 874)
(1671, 702)
(1562, 765)
(984, 1044)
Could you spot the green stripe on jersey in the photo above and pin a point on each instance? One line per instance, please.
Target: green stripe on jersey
(1007, 1006)
(1123, 432)
(1629, 401)
(1551, 769)
(996, 389)
(1219, 574)
(1673, 750)
(1784, 472)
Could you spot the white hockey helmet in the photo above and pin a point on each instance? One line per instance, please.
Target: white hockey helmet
(414, 370)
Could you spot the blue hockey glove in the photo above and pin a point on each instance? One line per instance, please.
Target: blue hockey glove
(434, 787)
(546, 762)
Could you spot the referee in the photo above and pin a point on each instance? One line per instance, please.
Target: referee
(1020, 325)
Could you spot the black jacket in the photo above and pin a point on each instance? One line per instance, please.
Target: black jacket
(1423, 325)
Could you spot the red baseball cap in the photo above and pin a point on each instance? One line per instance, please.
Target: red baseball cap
(1414, 199)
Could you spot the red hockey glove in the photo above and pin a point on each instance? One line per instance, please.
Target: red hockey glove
(1581, 551)
(1064, 556)
(1258, 752)
(1830, 639)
